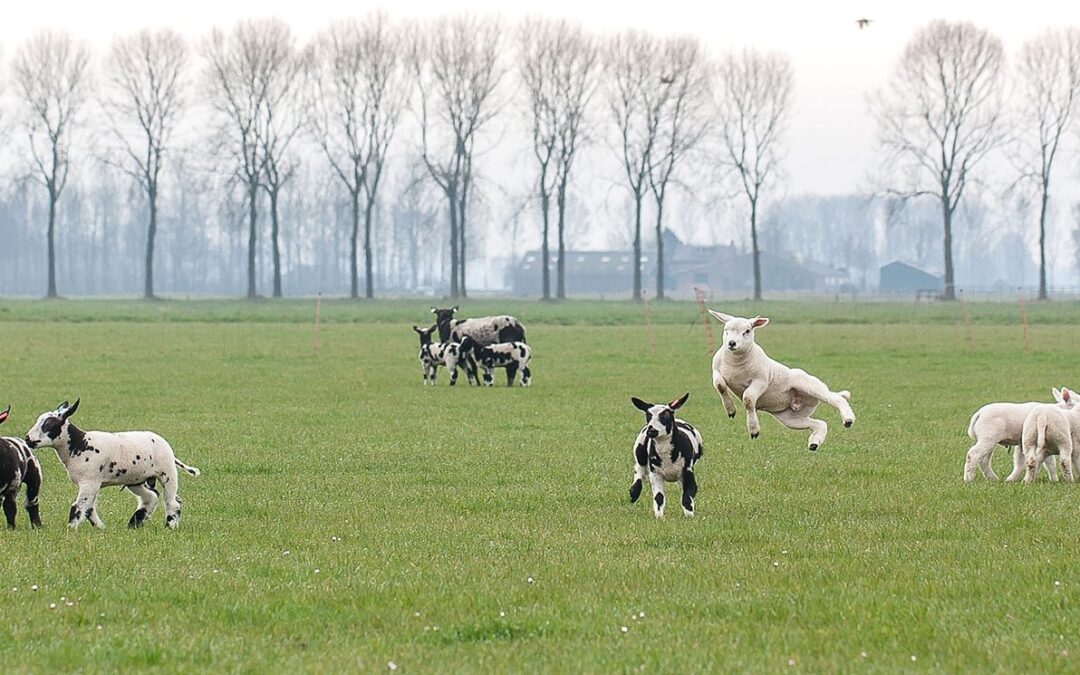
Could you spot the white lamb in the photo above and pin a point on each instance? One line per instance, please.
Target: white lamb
(790, 395)
(1002, 424)
(1052, 430)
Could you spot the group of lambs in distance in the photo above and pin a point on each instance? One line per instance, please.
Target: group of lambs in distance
(490, 342)
(135, 460)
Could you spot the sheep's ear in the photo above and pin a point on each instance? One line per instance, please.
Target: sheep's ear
(4, 414)
(433, 310)
(759, 322)
(639, 404)
(1066, 395)
(1056, 394)
(69, 411)
(62, 406)
(678, 403)
(455, 309)
(720, 316)
(418, 329)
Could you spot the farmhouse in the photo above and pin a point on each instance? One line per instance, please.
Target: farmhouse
(900, 278)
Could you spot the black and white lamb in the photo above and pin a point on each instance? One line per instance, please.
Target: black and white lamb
(18, 467)
(513, 356)
(435, 354)
(486, 330)
(666, 450)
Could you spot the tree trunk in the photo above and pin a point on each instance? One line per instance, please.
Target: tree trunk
(1042, 242)
(636, 260)
(452, 201)
(545, 255)
(659, 249)
(151, 233)
(461, 242)
(560, 265)
(757, 253)
(52, 244)
(369, 282)
(253, 196)
(275, 247)
(950, 287)
(354, 287)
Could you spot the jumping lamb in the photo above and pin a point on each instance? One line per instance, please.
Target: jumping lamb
(742, 368)
(1002, 424)
(666, 449)
(18, 466)
(435, 354)
(1052, 430)
(135, 460)
(513, 356)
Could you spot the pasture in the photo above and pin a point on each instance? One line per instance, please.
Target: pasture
(348, 517)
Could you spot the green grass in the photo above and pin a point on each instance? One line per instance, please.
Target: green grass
(446, 501)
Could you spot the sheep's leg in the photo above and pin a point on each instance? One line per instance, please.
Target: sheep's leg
(1018, 463)
(93, 516)
(1033, 458)
(721, 388)
(148, 500)
(657, 483)
(32, 479)
(9, 508)
(172, 501)
(641, 467)
(802, 420)
(979, 455)
(489, 376)
(1051, 468)
(83, 505)
(1065, 459)
(815, 388)
(511, 373)
(750, 398)
(689, 491)
(526, 376)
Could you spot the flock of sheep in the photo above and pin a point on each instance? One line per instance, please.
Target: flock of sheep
(134, 460)
(490, 342)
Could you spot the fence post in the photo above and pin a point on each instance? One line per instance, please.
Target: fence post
(967, 322)
(1024, 320)
(315, 327)
(648, 321)
(700, 295)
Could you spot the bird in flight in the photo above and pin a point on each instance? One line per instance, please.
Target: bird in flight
(863, 23)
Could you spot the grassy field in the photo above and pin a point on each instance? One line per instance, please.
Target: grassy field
(347, 517)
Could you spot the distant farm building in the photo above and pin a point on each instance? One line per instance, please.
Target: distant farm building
(719, 269)
(900, 278)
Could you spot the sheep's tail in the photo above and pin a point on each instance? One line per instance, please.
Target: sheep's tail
(1040, 425)
(971, 425)
(846, 394)
(190, 469)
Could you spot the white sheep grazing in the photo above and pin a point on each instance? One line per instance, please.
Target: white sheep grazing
(1052, 430)
(135, 460)
(790, 395)
(1002, 424)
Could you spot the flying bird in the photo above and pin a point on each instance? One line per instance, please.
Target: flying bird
(863, 23)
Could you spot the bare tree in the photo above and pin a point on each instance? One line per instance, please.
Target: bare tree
(753, 96)
(236, 82)
(281, 119)
(458, 70)
(52, 78)
(682, 125)
(635, 98)
(940, 116)
(147, 72)
(559, 67)
(1049, 74)
(360, 91)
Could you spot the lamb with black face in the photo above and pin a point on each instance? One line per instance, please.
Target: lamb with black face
(665, 451)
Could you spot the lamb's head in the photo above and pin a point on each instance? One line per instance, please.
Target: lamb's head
(659, 417)
(425, 334)
(4, 414)
(51, 426)
(1065, 397)
(738, 332)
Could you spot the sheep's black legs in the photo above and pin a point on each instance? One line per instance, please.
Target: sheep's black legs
(689, 491)
(511, 372)
(641, 463)
(33, 488)
(148, 499)
(9, 509)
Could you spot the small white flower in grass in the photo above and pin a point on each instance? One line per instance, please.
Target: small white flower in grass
(502, 614)
(391, 665)
(641, 615)
(913, 658)
(335, 538)
(624, 629)
(63, 598)
(34, 587)
(316, 570)
(862, 654)
(14, 589)
(52, 605)
(784, 552)
(69, 604)
(1057, 583)
(285, 553)
(790, 662)
(530, 580)
(776, 563)
(215, 571)
(417, 614)
(99, 626)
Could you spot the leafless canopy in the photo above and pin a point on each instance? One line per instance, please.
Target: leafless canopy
(559, 64)
(458, 68)
(147, 72)
(51, 74)
(940, 116)
(1049, 83)
(753, 99)
(360, 88)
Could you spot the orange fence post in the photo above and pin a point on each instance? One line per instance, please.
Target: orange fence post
(967, 322)
(1023, 319)
(648, 321)
(700, 295)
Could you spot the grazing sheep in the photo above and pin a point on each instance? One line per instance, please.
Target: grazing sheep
(18, 466)
(666, 449)
(513, 356)
(435, 354)
(487, 330)
(1052, 430)
(135, 460)
(1002, 424)
(741, 367)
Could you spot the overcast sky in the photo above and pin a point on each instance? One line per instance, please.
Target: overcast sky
(831, 137)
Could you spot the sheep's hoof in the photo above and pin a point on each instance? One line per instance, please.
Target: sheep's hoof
(813, 447)
(848, 423)
(731, 415)
(755, 434)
